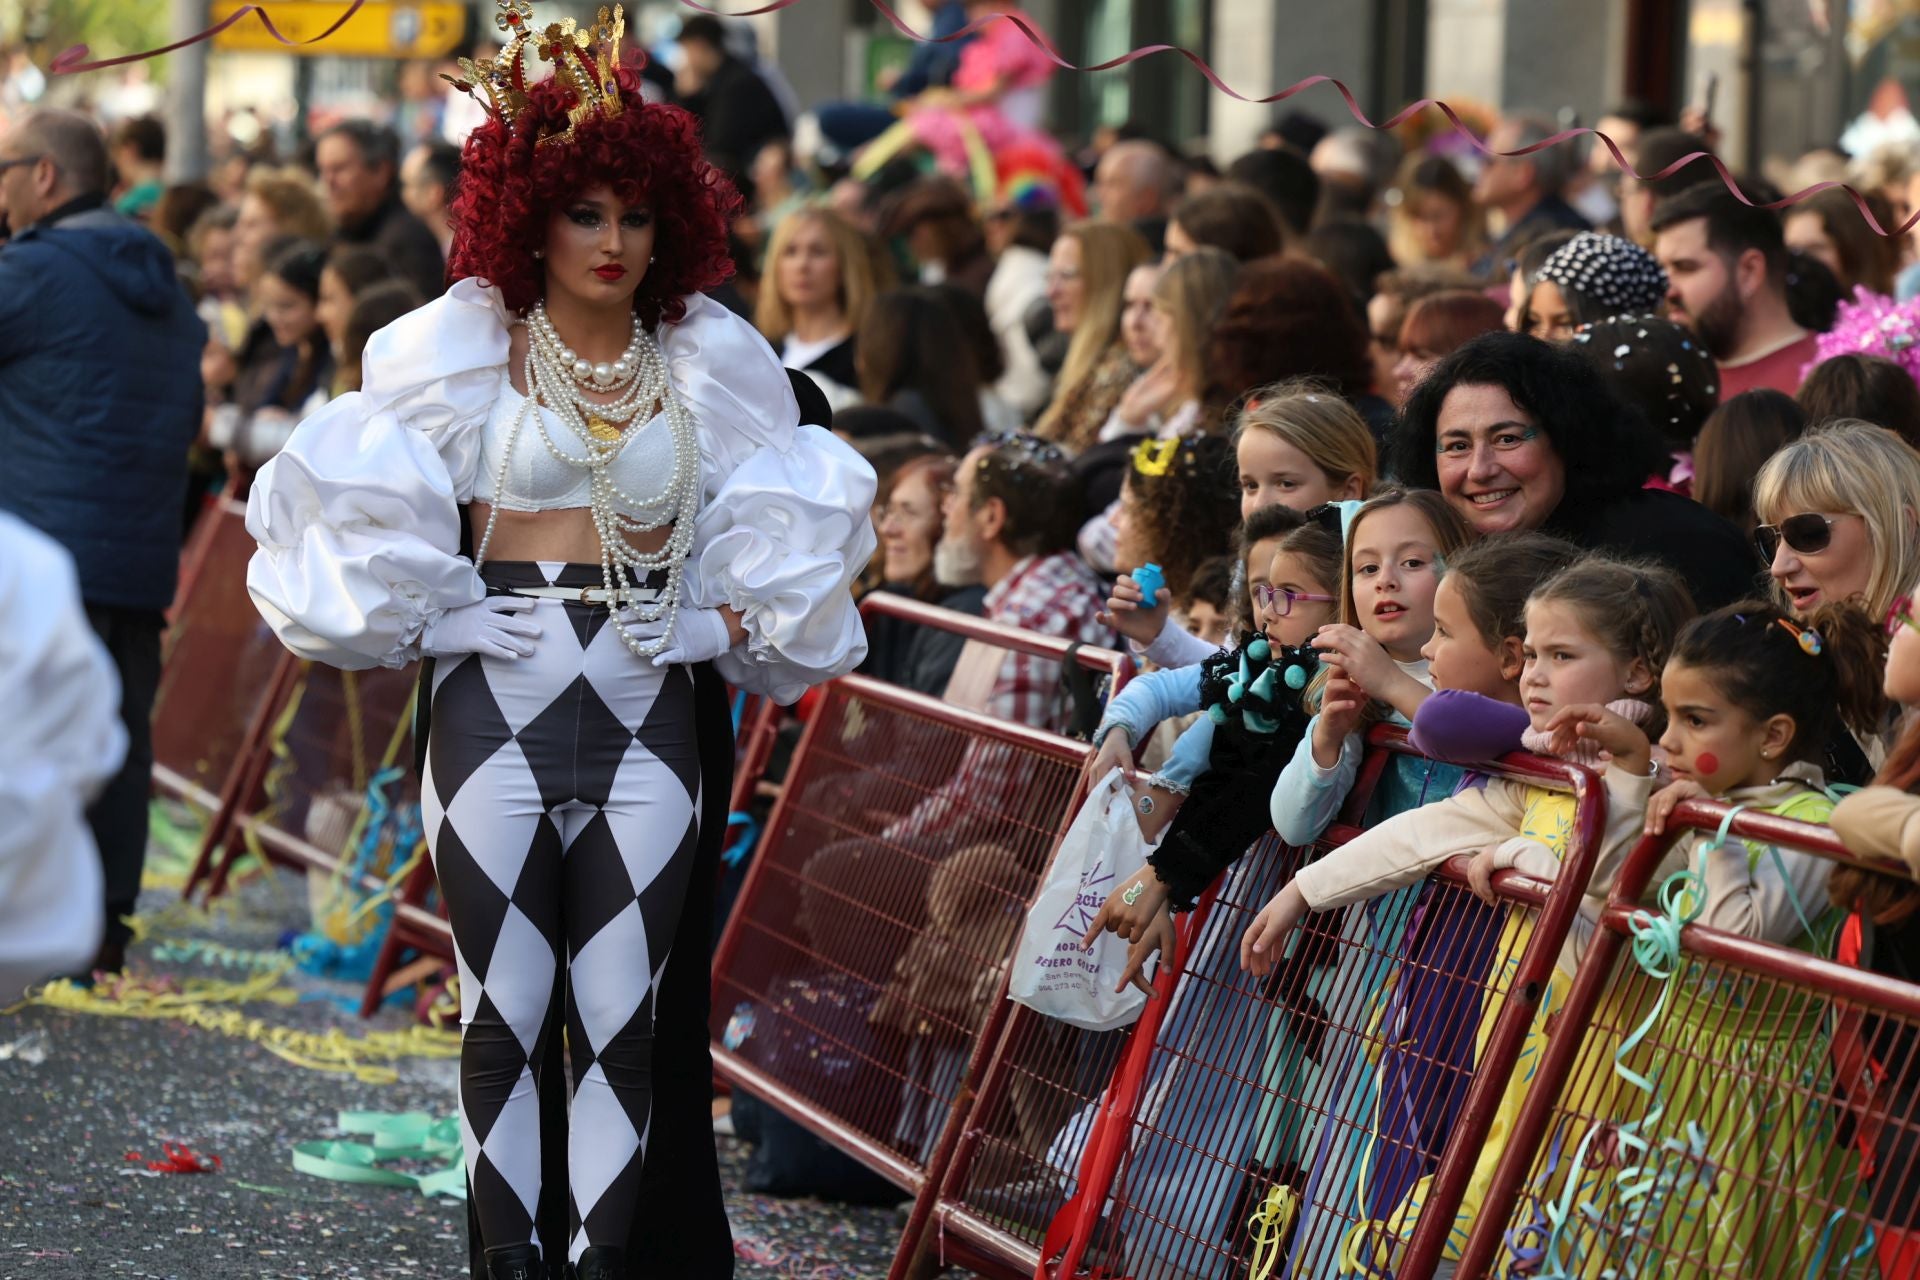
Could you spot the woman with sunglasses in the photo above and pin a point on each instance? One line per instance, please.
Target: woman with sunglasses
(1838, 521)
(1518, 434)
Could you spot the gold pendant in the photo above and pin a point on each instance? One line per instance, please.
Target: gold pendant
(600, 429)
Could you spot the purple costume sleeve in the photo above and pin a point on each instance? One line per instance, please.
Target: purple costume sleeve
(1463, 728)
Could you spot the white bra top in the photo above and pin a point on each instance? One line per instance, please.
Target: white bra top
(538, 481)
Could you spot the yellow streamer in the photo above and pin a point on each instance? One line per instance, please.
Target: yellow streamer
(874, 156)
(1270, 1224)
(388, 889)
(197, 1005)
(444, 1011)
(180, 916)
(356, 728)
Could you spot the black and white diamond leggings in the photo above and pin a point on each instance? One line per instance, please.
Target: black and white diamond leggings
(561, 800)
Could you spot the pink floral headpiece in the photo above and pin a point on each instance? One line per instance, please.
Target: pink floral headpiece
(1874, 325)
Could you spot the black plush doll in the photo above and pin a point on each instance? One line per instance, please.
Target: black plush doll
(1255, 696)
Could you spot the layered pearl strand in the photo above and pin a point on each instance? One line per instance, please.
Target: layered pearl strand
(615, 375)
(553, 371)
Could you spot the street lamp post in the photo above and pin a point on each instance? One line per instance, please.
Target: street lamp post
(187, 94)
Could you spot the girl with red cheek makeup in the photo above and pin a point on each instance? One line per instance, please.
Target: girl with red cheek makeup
(1752, 696)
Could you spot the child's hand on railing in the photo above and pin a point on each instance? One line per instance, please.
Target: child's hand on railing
(1270, 928)
(1480, 871)
(1662, 805)
(1129, 613)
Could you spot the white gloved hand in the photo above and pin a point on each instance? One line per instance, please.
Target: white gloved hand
(491, 627)
(698, 635)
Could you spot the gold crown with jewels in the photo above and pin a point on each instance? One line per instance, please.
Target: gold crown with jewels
(584, 59)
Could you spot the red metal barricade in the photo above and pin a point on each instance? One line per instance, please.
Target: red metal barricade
(760, 724)
(862, 967)
(305, 797)
(1234, 1098)
(222, 666)
(1757, 1113)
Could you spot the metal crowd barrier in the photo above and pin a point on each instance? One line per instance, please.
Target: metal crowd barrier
(1757, 1113)
(305, 795)
(1234, 1099)
(861, 975)
(222, 671)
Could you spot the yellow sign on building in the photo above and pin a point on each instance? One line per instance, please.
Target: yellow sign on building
(378, 29)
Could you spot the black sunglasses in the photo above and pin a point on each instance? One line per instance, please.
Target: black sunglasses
(1808, 534)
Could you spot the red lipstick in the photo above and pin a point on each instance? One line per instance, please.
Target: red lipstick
(611, 271)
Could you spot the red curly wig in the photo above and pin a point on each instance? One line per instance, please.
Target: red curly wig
(648, 155)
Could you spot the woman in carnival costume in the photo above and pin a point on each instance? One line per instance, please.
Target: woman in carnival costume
(579, 488)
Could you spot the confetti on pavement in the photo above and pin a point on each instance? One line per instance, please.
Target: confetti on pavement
(78, 1093)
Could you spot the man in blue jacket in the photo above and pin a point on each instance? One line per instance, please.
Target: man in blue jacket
(100, 398)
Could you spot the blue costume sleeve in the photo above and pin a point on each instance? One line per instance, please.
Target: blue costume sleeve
(1307, 797)
(1191, 756)
(1149, 699)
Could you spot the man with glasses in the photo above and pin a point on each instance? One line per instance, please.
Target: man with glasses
(100, 398)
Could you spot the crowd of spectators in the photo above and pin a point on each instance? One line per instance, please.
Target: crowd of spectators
(1070, 376)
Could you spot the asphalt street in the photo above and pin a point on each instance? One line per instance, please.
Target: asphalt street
(80, 1094)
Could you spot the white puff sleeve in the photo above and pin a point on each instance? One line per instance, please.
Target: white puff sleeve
(786, 519)
(358, 516)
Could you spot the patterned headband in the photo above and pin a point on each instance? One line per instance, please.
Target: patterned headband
(1616, 273)
(1024, 446)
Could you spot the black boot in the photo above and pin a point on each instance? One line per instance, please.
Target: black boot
(601, 1262)
(514, 1262)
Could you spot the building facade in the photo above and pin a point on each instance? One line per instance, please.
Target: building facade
(1783, 76)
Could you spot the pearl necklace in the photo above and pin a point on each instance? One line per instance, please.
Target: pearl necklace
(607, 375)
(549, 372)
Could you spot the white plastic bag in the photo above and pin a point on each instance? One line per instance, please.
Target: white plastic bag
(1052, 973)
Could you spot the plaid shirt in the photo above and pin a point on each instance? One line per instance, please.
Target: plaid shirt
(1053, 595)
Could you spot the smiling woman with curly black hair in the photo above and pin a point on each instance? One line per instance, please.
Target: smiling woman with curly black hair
(582, 490)
(1517, 434)
(1179, 507)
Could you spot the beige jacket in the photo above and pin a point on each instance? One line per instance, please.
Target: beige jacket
(1880, 822)
(1408, 846)
(1752, 890)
